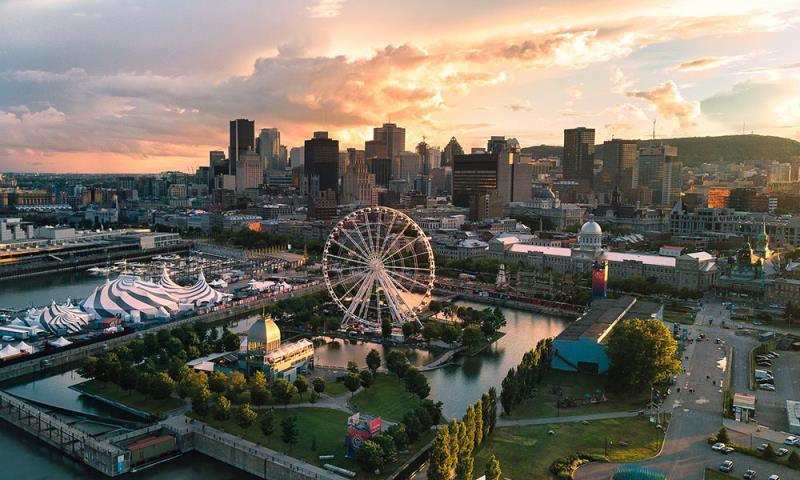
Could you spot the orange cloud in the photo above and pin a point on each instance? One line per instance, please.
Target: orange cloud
(667, 101)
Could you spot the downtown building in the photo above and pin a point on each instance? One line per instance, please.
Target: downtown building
(242, 139)
(321, 172)
(578, 157)
(660, 171)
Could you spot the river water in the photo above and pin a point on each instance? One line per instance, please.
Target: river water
(456, 386)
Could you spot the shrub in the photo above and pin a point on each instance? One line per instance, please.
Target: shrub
(564, 467)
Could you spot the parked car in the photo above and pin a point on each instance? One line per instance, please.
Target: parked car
(792, 440)
(750, 475)
(766, 381)
(782, 451)
(717, 447)
(726, 466)
(774, 477)
(762, 447)
(766, 386)
(726, 450)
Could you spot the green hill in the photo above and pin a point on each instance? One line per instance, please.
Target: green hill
(758, 149)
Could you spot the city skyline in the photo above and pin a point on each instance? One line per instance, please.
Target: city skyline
(132, 87)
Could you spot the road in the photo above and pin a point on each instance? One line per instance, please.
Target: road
(696, 416)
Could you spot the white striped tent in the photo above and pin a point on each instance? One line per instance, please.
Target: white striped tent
(200, 293)
(128, 293)
(58, 317)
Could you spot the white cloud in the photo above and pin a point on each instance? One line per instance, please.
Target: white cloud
(326, 8)
(668, 102)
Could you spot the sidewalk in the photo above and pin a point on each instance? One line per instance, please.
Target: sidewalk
(757, 431)
(570, 419)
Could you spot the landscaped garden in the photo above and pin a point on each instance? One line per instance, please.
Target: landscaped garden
(528, 451)
(130, 398)
(387, 398)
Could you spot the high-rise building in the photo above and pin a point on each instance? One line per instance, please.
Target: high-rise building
(269, 147)
(496, 143)
(450, 151)
(381, 168)
(242, 139)
(375, 149)
(514, 176)
(407, 166)
(392, 136)
(249, 171)
(474, 174)
(217, 165)
(321, 162)
(780, 172)
(297, 156)
(578, 157)
(620, 168)
(660, 170)
(358, 185)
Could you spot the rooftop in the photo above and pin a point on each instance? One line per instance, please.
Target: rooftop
(598, 322)
(555, 251)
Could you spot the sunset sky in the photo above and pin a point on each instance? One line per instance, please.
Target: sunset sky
(148, 86)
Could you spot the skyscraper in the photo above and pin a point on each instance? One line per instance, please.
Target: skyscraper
(321, 159)
(392, 136)
(249, 171)
(242, 139)
(452, 149)
(269, 147)
(620, 168)
(660, 170)
(578, 157)
(382, 169)
(297, 157)
(217, 164)
(474, 175)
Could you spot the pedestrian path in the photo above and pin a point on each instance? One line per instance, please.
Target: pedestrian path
(501, 422)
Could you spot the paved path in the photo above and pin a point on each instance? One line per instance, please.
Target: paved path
(501, 422)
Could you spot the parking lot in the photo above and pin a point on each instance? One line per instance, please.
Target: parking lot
(771, 406)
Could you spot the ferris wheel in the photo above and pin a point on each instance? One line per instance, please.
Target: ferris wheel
(378, 264)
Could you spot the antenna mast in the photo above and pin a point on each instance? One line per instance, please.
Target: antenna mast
(654, 129)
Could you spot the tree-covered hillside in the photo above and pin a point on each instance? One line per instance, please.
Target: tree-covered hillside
(758, 149)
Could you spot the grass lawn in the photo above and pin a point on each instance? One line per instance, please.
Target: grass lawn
(675, 313)
(715, 475)
(131, 398)
(335, 389)
(387, 397)
(321, 426)
(576, 386)
(527, 452)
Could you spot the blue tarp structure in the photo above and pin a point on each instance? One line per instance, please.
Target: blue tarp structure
(637, 472)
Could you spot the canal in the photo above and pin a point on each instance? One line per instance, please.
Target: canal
(456, 385)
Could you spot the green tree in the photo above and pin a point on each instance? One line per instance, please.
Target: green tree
(397, 362)
(417, 383)
(478, 432)
(642, 353)
(127, 377)
(236, 383)
(388, 447)
(352, 381)
(218, 382)
(464, 467)
(768, 453)
(386, 328)
(259, 395)
(370, 456)
(440, 456)
(222, 407)
(366, 377)
(352, 366)
(722, 435)
(289, 432)
(472, 336)
(200, 401)
(301, 384)
(793, 460)
(492, 470)
(408, 330)
(431, 331)
(373, 360)
(267, 423)
(319, 384)
(230, 341)
(245, 416)
(283, 391)
(399, 434)
(162, 386)
(454, 447)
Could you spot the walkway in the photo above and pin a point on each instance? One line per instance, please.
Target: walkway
(570, 419)
(442, 360)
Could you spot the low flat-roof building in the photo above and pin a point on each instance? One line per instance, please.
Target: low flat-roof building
(793, 414)
(581, 347)
(744, 407)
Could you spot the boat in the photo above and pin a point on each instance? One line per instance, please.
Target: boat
(99, 270)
